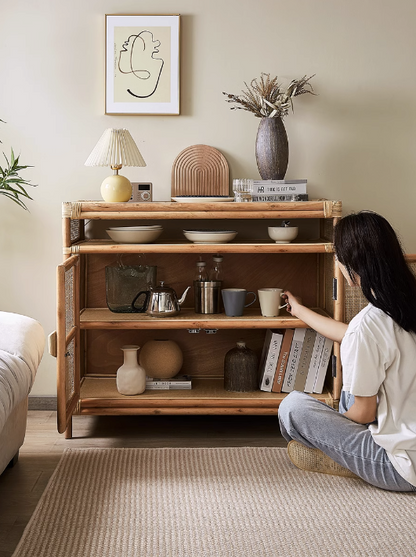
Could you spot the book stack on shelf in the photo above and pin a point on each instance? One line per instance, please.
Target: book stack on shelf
(176, 383)
(280, 190)
(294, 359)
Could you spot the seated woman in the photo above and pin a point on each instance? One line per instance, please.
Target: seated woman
(373, 436)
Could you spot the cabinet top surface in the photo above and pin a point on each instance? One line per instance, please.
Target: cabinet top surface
(321, 208)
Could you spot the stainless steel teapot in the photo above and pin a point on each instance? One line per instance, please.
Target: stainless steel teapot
(160, 301)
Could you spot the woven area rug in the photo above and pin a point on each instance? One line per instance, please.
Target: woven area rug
(211, 502)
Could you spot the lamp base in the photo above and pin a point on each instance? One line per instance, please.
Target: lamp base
(116, 188)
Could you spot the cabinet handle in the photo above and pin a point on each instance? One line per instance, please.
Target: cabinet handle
(52, 342)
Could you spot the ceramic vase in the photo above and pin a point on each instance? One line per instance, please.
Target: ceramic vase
(240, 369)
(131, 377)
(161, 358)
(272, 149)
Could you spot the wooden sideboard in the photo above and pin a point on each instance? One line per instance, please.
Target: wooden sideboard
(90, 336)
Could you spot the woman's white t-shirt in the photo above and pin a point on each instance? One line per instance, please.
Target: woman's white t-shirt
(379, 358)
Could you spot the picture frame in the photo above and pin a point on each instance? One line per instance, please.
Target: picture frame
(142, 64)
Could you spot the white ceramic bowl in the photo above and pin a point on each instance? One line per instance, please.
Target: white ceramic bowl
(210, 236)
(283, 234)
(134, 235)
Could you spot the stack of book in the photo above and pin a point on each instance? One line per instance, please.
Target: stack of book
(280, 190)
(294, 359)
(178, 382)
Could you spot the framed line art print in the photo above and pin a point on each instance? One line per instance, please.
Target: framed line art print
(142, 64)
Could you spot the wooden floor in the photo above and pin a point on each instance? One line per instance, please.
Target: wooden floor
(22, 485)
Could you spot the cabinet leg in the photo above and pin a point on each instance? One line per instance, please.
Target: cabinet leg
(68, 431)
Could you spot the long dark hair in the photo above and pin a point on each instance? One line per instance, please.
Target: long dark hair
(366, 244)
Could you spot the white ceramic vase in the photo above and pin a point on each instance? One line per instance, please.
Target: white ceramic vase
(131, 377)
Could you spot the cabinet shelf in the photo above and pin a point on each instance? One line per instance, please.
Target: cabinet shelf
(103, 318)
(97, 210)
(99, 396)
(177, 246)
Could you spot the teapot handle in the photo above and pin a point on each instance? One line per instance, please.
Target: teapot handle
(143, 308)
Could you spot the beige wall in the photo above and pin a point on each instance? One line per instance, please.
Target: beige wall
(354, 141)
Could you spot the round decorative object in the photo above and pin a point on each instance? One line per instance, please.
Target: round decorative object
(272, 149)
(161, 358)
(116, 189)
(240, 369)
(131, 378)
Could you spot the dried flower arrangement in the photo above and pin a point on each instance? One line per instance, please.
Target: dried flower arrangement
(266, 98)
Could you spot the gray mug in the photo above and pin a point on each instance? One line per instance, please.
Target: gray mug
(235, 300)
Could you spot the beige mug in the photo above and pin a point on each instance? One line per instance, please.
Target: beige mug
(270, 299)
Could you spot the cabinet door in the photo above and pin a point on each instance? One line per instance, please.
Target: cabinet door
(68, 339)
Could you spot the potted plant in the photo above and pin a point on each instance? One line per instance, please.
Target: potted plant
(12, 185)
(267, 99)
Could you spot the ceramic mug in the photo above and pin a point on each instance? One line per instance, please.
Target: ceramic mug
(270, 299)
(235, 300)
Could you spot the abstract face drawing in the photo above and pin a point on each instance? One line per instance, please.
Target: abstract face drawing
(137, 58)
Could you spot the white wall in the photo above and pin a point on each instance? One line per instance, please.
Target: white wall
(354, 141)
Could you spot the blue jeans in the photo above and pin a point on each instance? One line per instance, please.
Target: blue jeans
(316, 425)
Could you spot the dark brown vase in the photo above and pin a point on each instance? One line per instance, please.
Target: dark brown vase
(240, 369)
(272, 149)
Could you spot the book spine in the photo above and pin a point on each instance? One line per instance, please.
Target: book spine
(264, 353)
(153, 387)
(293, 361)
(271, 362)
(323, 366)
(280, 197)
(314, 365)
(273, 187)
(167, 383)
(282, 363)
(184, 380)
(305, 359)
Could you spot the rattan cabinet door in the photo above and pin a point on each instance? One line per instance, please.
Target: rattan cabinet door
(68, 340)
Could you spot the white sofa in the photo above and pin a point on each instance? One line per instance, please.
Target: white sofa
(22, 341)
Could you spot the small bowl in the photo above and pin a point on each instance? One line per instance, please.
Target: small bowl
(131, 236)
(210, 236)
(283, 234)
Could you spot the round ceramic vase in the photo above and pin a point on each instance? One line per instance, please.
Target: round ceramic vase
(161, 358)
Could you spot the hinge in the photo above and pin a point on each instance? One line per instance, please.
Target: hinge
(334, 365)
(335, 289)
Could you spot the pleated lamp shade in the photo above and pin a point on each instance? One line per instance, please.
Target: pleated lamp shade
(116, 148)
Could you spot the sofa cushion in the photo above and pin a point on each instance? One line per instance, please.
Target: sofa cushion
(22, 341)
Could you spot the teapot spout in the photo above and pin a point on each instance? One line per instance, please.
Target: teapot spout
(182, 298)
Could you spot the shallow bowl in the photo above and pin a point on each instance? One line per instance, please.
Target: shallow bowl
(210, 236)
(131, 236)
(283, 234)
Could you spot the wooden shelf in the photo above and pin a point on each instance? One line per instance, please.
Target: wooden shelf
(177, 246)
(315, 209)
(103, 318)
(99, 396)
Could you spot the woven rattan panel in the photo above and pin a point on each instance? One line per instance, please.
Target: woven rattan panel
(75, 230)
(70, 371)
(355, 300)
(69, 300)
(200, 170)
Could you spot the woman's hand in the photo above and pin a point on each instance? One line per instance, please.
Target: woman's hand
(293, 303)
(327, 326)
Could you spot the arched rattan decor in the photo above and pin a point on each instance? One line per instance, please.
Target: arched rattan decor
(200, 170)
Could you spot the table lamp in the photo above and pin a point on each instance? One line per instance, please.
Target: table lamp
(116, 148)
